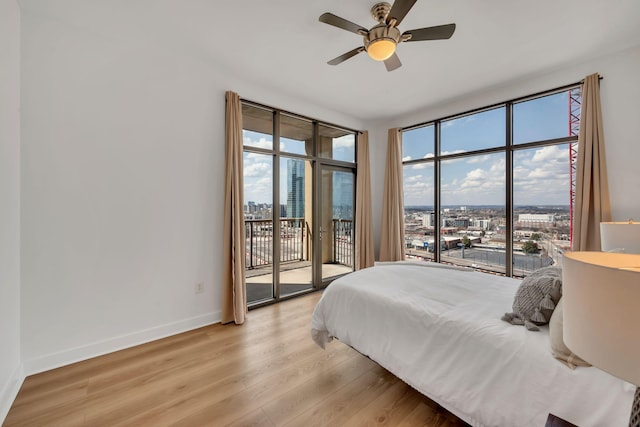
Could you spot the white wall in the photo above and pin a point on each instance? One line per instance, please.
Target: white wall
(620, 95)
(122, 189)
(10, 368)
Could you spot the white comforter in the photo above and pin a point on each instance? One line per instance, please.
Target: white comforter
(439, 330)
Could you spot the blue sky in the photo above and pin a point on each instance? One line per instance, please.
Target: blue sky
(541, 175)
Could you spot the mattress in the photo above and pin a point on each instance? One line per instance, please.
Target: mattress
(438, 328)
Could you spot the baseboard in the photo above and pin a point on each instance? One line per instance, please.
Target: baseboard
(99, 348)
(10, 391)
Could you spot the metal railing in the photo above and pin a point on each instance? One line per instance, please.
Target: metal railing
(295, 241)
(259, 241)
(343, 242)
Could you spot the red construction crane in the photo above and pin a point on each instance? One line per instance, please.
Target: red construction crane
(575, 99)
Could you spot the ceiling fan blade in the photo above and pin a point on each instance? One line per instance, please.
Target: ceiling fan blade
(399, 10)
(336, 21)
(392, 62)
(440, 32)
(346, 56)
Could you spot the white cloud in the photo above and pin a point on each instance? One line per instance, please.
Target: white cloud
(256, 170)
(256, 156)
(419, 166)
(551, 153)
(478, 159)
(406, 158)
(413, 179)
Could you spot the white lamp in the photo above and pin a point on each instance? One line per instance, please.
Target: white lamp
(620, 237)
(601, 319)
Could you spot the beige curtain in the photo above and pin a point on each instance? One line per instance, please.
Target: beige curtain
(364, 220)
(592, 187)
(234, 301)
(392, 229)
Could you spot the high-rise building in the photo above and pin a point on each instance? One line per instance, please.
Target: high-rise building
(295, 188)
(343, 195)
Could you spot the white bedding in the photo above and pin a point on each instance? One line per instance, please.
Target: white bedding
(439, 330)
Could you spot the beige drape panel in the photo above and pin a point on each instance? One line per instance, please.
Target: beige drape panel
(234, 301)
(592, 187)
(364, 217)
(392, 229)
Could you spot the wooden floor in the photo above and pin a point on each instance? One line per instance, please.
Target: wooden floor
(267, 372)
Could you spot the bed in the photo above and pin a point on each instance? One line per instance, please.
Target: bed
(438, 328)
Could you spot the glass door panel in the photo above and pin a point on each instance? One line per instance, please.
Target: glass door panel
(336, 222)
(258, 223)
(295, 223)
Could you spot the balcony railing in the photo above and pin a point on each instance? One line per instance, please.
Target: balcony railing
(342, 242)
(294, 241)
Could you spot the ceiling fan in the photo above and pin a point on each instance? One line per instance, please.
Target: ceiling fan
(380, 41)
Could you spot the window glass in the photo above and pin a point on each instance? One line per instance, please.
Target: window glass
(473, 212)
(257, 127)
(477, 131)
(296, 135)
(258, 222)
(542, 118)
(418, 143)
(541, 211)
(295, 219)
(336, 144)
(419, 215)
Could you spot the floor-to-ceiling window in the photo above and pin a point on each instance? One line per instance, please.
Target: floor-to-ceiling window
(297, 222)
(494, 186)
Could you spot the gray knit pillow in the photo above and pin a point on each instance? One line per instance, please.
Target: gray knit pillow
(536, 298)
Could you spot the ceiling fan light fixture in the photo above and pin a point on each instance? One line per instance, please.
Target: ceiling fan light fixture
(381, 49)
(381, 41)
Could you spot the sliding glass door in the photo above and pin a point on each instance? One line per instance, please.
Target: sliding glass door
(299, 182)
(337, 190)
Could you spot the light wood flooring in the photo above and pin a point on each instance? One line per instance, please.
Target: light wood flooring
(267, 372)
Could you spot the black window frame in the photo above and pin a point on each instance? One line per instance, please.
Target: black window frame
(509, 148)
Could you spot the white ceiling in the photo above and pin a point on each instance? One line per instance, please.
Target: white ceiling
(281, 45)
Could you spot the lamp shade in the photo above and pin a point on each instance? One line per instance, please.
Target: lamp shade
(381, 49)
(601, 319)
(620, 237)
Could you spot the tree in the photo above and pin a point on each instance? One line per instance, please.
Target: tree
(536, 237)
(466, 242)
(530, 247)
